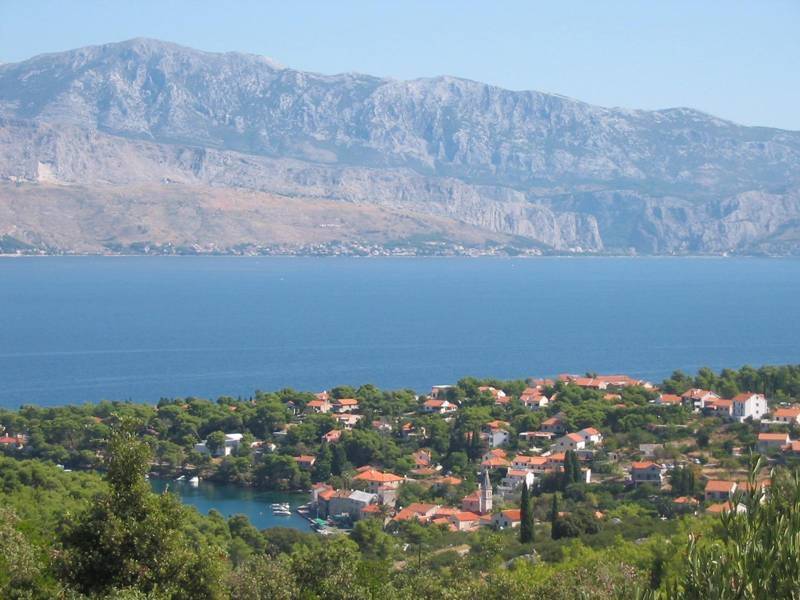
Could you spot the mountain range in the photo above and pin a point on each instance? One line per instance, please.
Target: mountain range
(145, 145)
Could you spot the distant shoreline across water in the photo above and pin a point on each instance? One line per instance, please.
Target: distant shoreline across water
(576, 255)
(145, 327)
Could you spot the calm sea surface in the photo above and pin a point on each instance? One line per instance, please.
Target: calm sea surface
(233, 500)
(82, 329)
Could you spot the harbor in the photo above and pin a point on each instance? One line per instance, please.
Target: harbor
(229, 500)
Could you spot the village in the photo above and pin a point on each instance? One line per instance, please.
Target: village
(462, 456)
(542, 452)
(538, 459)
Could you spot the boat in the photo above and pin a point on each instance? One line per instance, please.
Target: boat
(281, 509)
(181, 478)
(194, 480)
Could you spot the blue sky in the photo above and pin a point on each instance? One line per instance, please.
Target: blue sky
(737, 60)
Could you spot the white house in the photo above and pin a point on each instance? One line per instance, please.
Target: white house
(348, 420)
(696, 398)
(772, 441)
(571, 441)
(351, 502)
(533, 436)
(507, 518)
(790, 414)
(647, 472)
(669, 399)
(749, 405)
(497, 437)
(343, 405)
(590, 435)
(318, 406)
(496, 433)
(719, 489)
(498, 395)
(232, 442)
(533, 399)
(434, 405)
(464, 520)
(553, 425)
(516, 477)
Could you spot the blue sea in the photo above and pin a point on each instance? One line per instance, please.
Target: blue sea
(81, 329)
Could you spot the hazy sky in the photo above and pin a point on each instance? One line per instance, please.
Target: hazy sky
(738, 60)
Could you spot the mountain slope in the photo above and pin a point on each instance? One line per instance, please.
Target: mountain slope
(523, 168)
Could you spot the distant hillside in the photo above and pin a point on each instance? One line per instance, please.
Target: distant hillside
(147, 143)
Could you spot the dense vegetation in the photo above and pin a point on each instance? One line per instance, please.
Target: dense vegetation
(84, 538)
(99, 532)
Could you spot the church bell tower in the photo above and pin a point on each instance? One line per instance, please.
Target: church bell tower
(485, 503)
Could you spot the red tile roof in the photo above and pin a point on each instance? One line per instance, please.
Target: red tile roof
(720, 485)
(346, 402)
(647, 464)
(719, 508)
(685, 500)
(670, 399)
(744, 396)
(773, 437)
(433, 403)
(375, 476)
(466, 516)
(791, 412)
(333, 435)
(495, 461)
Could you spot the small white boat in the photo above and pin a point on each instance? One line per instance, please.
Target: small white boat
(195, 480)
(281, 509)
(181, 478)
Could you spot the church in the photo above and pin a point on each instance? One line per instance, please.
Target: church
(479, 501)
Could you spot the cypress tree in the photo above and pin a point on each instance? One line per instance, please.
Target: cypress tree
(475, 444)
(553, 515)
(576, 468)
(526, 530)
(572, 470)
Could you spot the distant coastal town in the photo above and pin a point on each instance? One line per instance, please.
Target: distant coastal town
(13, 247)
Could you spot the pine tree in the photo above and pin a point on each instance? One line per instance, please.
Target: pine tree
(526, 529)
(324, 464)
(130, 537)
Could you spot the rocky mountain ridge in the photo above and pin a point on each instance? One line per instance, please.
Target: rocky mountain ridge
(468, 162)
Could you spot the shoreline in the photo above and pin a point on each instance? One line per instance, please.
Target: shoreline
(419, 256)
